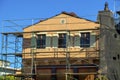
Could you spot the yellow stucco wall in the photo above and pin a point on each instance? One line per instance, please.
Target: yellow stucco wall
(53, 26)
(71, 23)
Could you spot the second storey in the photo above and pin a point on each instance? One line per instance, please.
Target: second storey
(62, 33)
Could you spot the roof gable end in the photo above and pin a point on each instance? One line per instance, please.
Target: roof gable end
(72, 15)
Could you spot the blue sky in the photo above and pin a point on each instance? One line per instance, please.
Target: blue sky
(28, 9)
(17, 9)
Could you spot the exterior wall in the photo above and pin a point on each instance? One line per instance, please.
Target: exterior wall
(52, 25)
(4, 63)
(52, 55)
(5, 71)
(83, 73)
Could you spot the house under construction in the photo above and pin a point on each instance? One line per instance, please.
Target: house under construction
(63, 47)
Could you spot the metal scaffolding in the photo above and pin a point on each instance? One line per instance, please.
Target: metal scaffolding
(12, 50)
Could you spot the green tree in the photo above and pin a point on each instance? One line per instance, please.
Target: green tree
(7, 78)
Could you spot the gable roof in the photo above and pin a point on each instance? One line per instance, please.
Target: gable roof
(72, 14)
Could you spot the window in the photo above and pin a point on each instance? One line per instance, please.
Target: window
(62, 21)
(41, 41)
(62, 40)
(85, 39)
(115, 35)
(76, 70)
(53, 71)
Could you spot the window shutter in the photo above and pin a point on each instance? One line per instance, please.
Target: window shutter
(48, 41)
(71, 41)
(67, 43)
(77, 40)
(55, 41)
(92, 40)
(33, 42)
